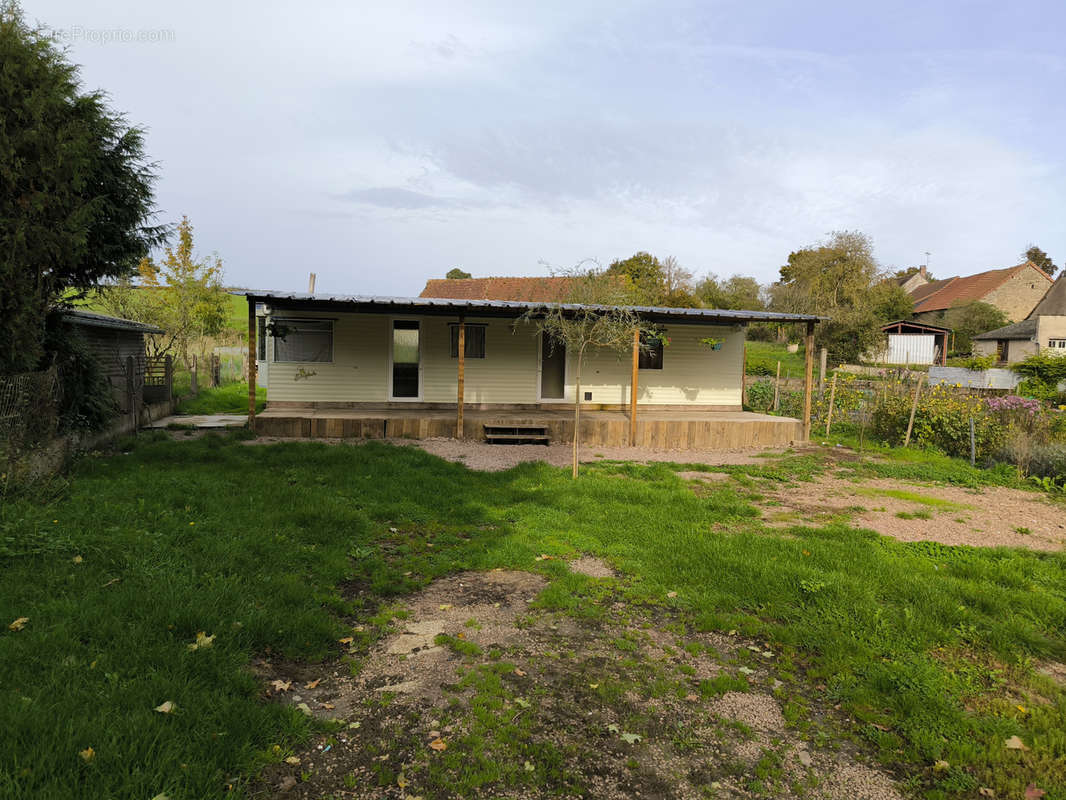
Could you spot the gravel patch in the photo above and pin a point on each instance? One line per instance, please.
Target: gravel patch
(593, 567)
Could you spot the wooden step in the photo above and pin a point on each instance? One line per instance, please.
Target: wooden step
(515, 434)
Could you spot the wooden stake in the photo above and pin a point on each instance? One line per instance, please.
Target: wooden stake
(194, 377)
(777, 386)
(808, 380)
(914, 407)
(251, 363)
(832, 397)
(823, 358)
(633, 389)
(461, 391)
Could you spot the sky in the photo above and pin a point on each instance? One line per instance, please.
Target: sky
(381, 144)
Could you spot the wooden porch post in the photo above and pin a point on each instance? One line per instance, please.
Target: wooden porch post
(808, 380)
(633, 389)
(251, 362)
(461, 392)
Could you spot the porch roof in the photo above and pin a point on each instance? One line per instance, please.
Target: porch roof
(501, 308)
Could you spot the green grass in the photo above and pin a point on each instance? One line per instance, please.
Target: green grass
(232, 399)
(250, 544)
(910, 497)
(769, 353)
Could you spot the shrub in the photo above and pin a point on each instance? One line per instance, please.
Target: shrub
(941, 420)
(761, 395)
(1043, 374)
(976, 363)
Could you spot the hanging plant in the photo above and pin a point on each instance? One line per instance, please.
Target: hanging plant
(711, 342)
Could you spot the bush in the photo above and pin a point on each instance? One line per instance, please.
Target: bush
(976, 363)
(761, 395)
(86, 402)
(941, 420)
(1043, 374)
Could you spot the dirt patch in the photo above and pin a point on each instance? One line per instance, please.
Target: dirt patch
(704, 477)
(593, 567)
(477, 691)
(988, 517)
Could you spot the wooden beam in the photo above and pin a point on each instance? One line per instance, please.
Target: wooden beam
(251, 362)
(808, 380)
(633, 389)
(461, 391)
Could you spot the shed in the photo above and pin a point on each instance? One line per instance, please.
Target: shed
(911, 342)
(118, 345)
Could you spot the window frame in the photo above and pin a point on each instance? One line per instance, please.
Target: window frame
(1056, 343)
(648, 347)
(453, 339)
(275, 320)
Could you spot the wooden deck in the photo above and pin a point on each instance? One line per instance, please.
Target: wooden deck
(661, 430)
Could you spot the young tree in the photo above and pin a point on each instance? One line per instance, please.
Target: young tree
(75, 189)
(183, 295)
(456, 273)
(739, 292)
(1041, 259)
(603, 322)
(966, 321)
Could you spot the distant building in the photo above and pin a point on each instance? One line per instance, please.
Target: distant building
(1013, 290)
(525, 290)
(1044, 330)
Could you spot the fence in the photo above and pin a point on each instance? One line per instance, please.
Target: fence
(29, 405)
(158, 379)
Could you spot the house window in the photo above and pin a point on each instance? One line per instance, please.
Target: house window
(651, 352)
(1057, 343)
(302, 340)
(473, 340)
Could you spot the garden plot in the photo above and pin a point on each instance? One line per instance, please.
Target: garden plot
(477, 691)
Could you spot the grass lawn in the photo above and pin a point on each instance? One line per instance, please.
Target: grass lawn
(929, 649)
(231, 399)
(763, 358)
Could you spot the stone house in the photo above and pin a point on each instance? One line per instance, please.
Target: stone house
(1014, 290)
(1044, 330)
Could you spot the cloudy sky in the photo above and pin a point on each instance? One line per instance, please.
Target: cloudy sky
(379, 144)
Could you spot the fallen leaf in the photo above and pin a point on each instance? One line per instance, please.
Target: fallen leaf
(519, 672)
(594, 686)
(529, 767)
(293, 760)
(313, 683)
(692, 698)
(1023, 709)
(433, 734)
(984, 791)
(521, 703)
(612, 728)
(1033, 793)
(77, 559)
(87, 754)
(167, 707)
(306, 709)
(746, 671)
(111, 582)
(281, 686)
(394, 530)
(18, 624)
(346, 640)
(445, 606)
(630, 738)
(671, 594)
(438, 745)
(203, 641)
(401, 780)
(941, 766)
(328, 706)
(1014, 743)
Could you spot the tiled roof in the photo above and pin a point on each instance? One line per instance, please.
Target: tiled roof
(959, 291)
(530, 290)
(1026, 329)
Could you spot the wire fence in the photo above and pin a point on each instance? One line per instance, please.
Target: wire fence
(29, 408)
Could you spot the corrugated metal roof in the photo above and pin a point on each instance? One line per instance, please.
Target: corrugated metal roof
(80, 317)
(444, 305)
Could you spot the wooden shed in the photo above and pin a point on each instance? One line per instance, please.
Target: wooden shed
(911, 342)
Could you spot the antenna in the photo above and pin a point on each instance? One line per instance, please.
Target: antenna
(927, 254)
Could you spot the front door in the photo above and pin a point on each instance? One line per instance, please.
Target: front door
(406, 361)
(552, 368)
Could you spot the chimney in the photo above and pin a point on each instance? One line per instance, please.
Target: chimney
(923, 271)
(311, 283)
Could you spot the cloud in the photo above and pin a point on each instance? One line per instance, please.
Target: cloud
(394, 197)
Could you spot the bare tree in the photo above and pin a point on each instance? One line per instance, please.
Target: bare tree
(593, 317)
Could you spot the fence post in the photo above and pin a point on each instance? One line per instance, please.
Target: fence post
(777, 386)
(823, 358)
(973, 444)
(914, 407)
(194, 386)
(832, 397)
(168, 376)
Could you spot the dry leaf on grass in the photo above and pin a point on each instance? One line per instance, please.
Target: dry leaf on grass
(671, 594)
(1033, 793)
(519, 672)
(984, 791)
(313, 683)
(438, 745)
(87, 754)
(18, 624)
(166, 708)
(203, 641)
(293, 760)
(346, 640)
(1014, 743)
(281, 686)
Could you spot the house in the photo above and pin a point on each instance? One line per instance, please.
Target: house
(1014, 290)
(118, 345)
(912, 278)
(349, 365)
(1044, 330)
(912, 342)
